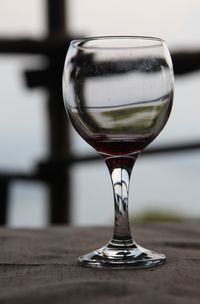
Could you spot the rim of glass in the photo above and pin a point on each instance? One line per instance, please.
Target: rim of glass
(77, 43)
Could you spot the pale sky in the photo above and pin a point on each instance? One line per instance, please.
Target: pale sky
(22, 120)
(176, 21)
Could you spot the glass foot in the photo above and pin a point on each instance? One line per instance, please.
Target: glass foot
(124, 257)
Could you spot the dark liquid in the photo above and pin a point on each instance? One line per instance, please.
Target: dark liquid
(117, 148)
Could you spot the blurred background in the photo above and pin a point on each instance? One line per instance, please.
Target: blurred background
(47, 173)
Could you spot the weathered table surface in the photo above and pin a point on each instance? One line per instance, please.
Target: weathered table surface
(40, 266)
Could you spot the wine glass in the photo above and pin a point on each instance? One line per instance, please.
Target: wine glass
(118, 94)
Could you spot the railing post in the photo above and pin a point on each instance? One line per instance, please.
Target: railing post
(3, 201)
(59, 185)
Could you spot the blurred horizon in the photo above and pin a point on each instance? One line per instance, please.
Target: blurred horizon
(158, 182)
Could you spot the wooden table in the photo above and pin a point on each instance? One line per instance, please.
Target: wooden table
(40, 266)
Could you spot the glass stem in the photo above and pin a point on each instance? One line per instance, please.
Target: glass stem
(120, 171)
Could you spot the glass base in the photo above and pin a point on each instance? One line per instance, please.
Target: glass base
(124, 256)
